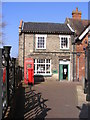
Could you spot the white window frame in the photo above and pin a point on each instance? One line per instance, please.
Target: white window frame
(40, 35)
(68, 38)
(45, 68)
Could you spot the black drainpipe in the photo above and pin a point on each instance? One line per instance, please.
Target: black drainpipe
(23, 52)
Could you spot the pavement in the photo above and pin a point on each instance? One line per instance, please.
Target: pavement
(65, 99)
(49, 99)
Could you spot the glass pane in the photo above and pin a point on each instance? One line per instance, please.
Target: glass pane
(47, 68)
(34, 60)
(66, 42)
(40, 68)
(47, 60)
(62, 39)
(40, 60)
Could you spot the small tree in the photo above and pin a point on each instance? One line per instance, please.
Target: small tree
(0, 30)
(2, 25)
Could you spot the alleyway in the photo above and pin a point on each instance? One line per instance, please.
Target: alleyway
(48, 100)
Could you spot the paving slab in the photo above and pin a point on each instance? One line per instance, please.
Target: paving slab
(49, 99)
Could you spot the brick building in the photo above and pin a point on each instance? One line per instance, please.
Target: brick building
(50, 45)
(82, 40)
(80, 28)
(58, 50)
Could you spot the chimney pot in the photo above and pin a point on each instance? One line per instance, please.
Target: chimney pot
(77, 9)
(76, 14)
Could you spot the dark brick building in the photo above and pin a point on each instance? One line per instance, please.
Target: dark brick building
(79, 26)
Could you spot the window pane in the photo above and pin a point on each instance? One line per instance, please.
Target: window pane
(62, 38)
(40, 60)
(40, 68)
(47, 60)
(34, 68)
(66, 42)
(34, 60)
(47, 68)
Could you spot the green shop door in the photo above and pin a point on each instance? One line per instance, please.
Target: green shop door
(63, 72)
(60, 71)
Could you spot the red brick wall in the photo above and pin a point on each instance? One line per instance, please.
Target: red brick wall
(79, 48)
(76, 16)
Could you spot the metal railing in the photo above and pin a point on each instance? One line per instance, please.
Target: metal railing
(7, 79)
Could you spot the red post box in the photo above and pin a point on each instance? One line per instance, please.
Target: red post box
(30, 76)
(29, 71)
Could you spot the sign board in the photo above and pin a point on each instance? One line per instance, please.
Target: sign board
(54, 72)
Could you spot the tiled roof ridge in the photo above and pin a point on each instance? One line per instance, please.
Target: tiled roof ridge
(45, 23)
(79, 19)
(46, 27)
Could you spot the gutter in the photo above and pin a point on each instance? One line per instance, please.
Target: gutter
(33, 42)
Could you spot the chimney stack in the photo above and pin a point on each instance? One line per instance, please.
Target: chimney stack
(76, 14)
(20, 26)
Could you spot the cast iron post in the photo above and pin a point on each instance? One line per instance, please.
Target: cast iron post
(14, 60)
(7, 56)
(78, 54)
(85, 82)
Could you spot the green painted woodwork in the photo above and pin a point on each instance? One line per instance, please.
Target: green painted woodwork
(60, 71)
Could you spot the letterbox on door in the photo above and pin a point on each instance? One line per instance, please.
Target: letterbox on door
(29, 71)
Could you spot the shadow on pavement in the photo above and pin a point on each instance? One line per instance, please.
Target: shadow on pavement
(27, 104)
(35, 106)
(38, 79)
(84, 111)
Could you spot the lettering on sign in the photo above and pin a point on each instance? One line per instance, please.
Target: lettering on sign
(28, 60)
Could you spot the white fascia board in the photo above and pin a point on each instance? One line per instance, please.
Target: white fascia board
(65, 62)
(70, 28)
(68, 36)
(41, 35)
(84, 33)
